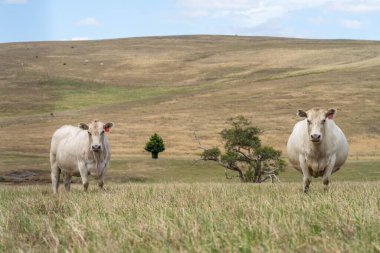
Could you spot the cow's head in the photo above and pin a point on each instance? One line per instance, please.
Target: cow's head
(96, 130)
(316, 121)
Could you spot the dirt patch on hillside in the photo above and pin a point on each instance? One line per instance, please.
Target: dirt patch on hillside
(26, 176)
(35, 176)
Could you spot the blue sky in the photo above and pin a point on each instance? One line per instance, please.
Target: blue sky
(40, 20)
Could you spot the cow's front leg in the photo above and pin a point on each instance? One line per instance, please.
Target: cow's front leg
(83, 174)
(306, 174)
(67, 181)
(327, 174)
(101, 176)
(101, 181)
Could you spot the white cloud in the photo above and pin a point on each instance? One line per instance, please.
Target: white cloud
(357, 6)
(90, 21)
(351, 24)
(317, 20)
(15, 1)
(195, 13)
(270, 16)
(288, 5)
(243, 12)
(80, 38)
(260, 15)
(216, 4)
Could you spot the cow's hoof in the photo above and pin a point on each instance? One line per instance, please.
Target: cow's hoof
(85, 186)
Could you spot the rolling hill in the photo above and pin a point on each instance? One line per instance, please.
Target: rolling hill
(181, 84)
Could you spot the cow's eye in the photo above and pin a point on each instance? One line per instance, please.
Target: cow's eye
(323, 121)
(308, 122)
(102, 132)
(89, 134)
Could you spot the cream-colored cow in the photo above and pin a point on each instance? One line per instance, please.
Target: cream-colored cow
(80, 151)
(317, 146)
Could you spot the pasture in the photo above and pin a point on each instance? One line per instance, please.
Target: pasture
(175, 86)
(198, 217)
(181, 84)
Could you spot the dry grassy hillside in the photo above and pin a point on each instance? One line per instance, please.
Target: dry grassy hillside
(177, 85)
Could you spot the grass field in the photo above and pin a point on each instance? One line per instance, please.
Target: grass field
(201, 217)
(175, 86)
(169, 170)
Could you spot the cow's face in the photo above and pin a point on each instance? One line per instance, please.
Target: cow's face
(316, 120)
(96, 131)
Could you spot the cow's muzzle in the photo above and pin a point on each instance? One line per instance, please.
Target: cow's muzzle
(315, 137)
(96, 148)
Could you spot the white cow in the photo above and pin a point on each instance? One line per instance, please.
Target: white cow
(317, 146)
(82, 150)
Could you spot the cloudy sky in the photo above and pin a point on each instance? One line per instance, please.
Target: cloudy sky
(37, 20)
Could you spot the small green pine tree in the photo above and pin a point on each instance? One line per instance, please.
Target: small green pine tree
(155, 145)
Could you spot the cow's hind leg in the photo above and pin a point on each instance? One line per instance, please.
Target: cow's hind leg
(67, 182)
(55, 173)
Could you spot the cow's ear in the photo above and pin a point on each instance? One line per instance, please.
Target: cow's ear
(83, 126)
(107, 126)
(330, 114)
(302, 114)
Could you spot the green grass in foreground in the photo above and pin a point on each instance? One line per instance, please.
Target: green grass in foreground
(208, 217)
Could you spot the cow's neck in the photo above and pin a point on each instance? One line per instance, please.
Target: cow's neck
(316, 149)
(97, 157)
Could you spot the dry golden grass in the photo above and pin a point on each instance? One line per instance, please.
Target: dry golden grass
(191, 218)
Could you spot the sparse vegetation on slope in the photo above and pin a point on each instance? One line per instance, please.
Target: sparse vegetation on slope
(175, 85)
